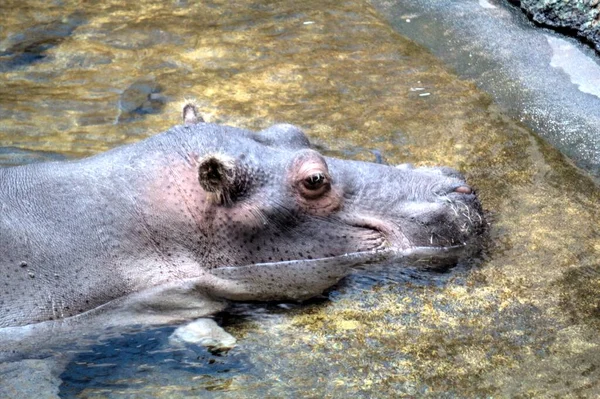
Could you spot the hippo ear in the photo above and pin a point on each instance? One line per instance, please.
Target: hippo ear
(191, 116)
(217, 176)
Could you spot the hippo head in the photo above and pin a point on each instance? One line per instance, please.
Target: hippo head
(267, 207)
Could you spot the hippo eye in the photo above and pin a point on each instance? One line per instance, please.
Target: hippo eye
(314, 181)
(315, 185)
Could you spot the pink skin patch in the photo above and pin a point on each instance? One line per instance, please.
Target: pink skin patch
(464, 190)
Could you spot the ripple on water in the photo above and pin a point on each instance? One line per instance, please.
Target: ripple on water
(25, 48)
(143, 362)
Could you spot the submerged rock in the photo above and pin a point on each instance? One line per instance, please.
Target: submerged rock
(139, 99)
(38, 381)
(578, 17)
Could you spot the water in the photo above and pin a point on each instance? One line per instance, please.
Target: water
(520, 321)
(129, 362)
(545, 80)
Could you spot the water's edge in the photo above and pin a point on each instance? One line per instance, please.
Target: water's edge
(543, 79)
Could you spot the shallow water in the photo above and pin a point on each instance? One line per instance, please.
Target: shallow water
(548, 81)
(520, 322)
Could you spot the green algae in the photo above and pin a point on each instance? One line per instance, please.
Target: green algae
(520, 322)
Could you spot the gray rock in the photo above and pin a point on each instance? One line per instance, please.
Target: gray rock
(580, 18)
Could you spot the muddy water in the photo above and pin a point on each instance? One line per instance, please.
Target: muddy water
(79, 78)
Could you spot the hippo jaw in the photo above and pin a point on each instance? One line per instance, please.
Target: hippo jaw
(413, 242)
(425, 215)
(294, 279)
(305, 278)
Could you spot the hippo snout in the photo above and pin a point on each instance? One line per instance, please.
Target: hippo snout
(423, 210)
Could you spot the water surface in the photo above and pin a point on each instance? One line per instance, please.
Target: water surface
(78, 78)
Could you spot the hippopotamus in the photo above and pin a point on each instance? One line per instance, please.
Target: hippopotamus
(176, 226)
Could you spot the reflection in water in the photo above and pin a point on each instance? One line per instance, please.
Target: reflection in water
(582, 71)
(139, 99)
(520, 321)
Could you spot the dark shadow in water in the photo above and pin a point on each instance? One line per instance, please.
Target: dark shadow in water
(145, 357)
(580, 294)
(28, 47)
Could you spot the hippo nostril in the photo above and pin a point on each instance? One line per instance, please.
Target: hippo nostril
(463, 189)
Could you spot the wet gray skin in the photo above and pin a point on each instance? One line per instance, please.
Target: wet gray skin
(170, 227)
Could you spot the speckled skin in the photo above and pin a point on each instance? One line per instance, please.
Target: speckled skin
(135, 228)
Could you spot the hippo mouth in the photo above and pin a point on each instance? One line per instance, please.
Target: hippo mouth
(441, 236)
(304, 278)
